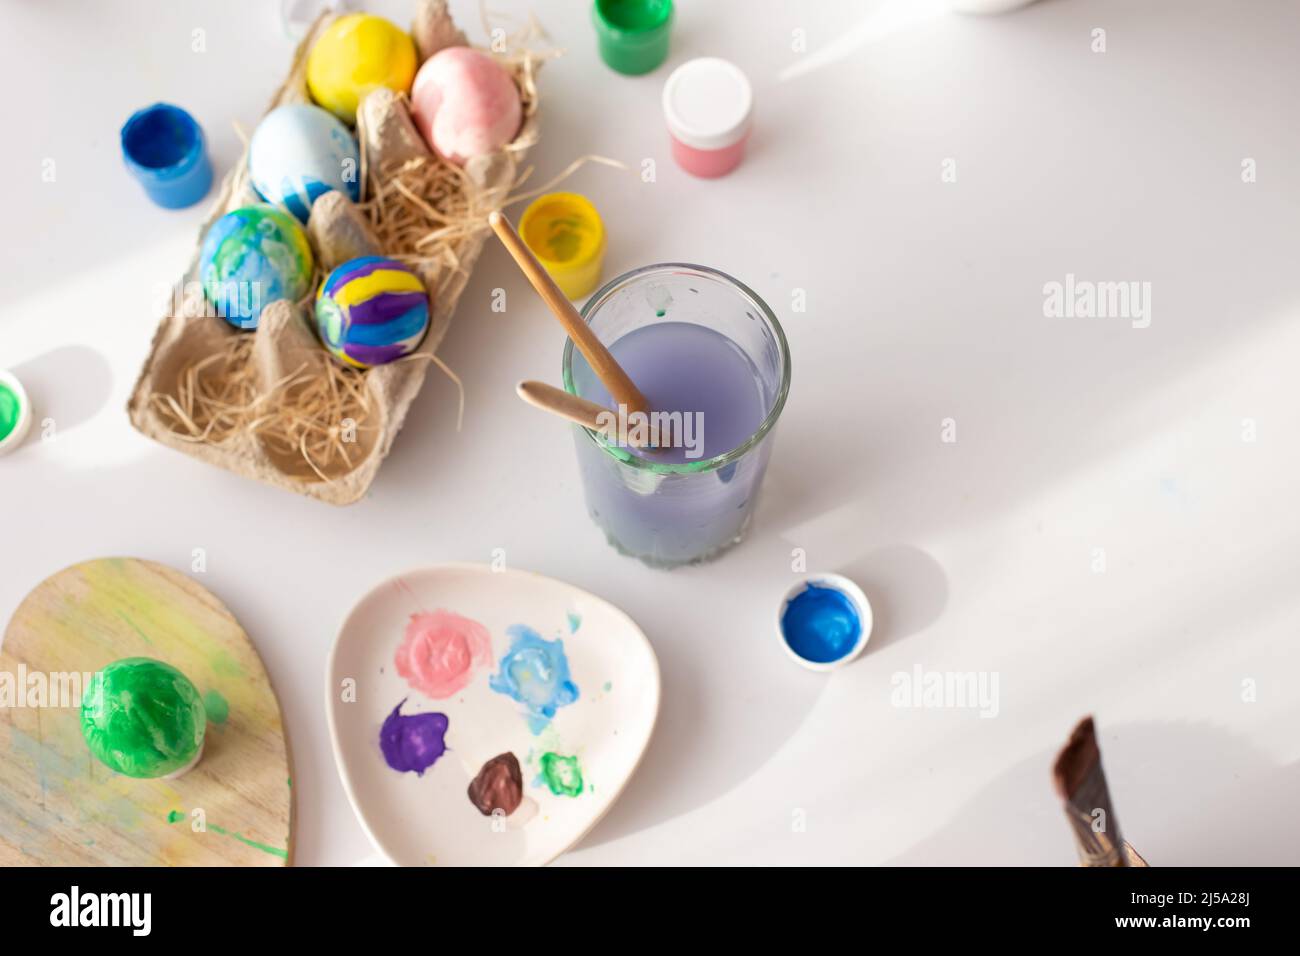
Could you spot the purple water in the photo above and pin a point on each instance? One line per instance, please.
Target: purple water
(682, 367)
(676, 518)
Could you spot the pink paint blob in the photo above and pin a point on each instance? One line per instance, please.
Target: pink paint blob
(439, 652)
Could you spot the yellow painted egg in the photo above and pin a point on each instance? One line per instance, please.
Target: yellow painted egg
(358, 53)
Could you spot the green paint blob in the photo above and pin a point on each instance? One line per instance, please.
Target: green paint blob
(11, 410)
(575, 622)
(218, 707)
(142, 718)
(562, 774)
(609, 685)
(176, 816)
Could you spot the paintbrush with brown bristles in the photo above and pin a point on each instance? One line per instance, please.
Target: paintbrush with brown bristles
(1081, 783)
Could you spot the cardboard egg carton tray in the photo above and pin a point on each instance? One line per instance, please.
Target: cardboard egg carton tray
(190, 330)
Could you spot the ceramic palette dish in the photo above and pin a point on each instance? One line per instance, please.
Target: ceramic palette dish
(447, 683)
(61, 807)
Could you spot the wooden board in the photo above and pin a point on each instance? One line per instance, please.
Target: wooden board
(59, 806)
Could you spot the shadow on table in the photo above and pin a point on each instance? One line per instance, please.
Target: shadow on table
(66, 385)
(704, 747)
(907, 588)
(1185, 795)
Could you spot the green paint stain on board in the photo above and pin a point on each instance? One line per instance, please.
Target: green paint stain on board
(265, 848)
(218, 707)
(10, 410)
(609, 685)
(561, 774)
(575, 622)
(660, 313)
(65, 774)
(176, 816)
(135, 627)
(226, 666)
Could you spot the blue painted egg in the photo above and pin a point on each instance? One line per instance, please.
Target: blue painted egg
(252, 257)
(371, 310)
(300, 151)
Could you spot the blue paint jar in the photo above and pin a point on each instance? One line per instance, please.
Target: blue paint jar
(824, 622)
(164, 149)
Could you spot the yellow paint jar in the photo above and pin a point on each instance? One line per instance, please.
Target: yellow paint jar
(565, 233)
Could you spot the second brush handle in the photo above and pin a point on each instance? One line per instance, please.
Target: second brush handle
(572, 407)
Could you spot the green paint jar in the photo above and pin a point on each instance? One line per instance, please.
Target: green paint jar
(632, 35)
(15, 412)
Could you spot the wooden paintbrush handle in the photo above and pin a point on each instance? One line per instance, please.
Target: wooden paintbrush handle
(559, 402)
(580, 411)
(623, 390)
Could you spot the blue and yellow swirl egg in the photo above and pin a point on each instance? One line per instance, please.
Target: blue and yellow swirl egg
(371, 311)
(251, 257)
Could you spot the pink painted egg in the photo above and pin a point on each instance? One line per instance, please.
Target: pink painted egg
(465, 104)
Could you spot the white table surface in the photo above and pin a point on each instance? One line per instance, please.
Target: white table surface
(924, 302)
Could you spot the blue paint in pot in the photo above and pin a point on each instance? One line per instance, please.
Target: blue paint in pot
(821, 624)
(164, 149)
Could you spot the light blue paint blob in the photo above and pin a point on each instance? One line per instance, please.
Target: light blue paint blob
(575, 622)
(535, 672)
(821, 624)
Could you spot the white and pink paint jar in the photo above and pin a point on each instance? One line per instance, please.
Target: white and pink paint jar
(708, 105)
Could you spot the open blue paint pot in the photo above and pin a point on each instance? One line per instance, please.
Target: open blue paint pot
(165, 150)
(824, 621)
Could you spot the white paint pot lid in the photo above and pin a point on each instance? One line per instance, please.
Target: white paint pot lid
(707, 103)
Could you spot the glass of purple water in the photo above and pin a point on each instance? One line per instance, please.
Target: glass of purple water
(699, 343)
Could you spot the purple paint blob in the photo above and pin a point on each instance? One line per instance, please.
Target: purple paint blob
(413, 741)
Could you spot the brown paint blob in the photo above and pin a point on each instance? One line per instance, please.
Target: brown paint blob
(498, 786)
